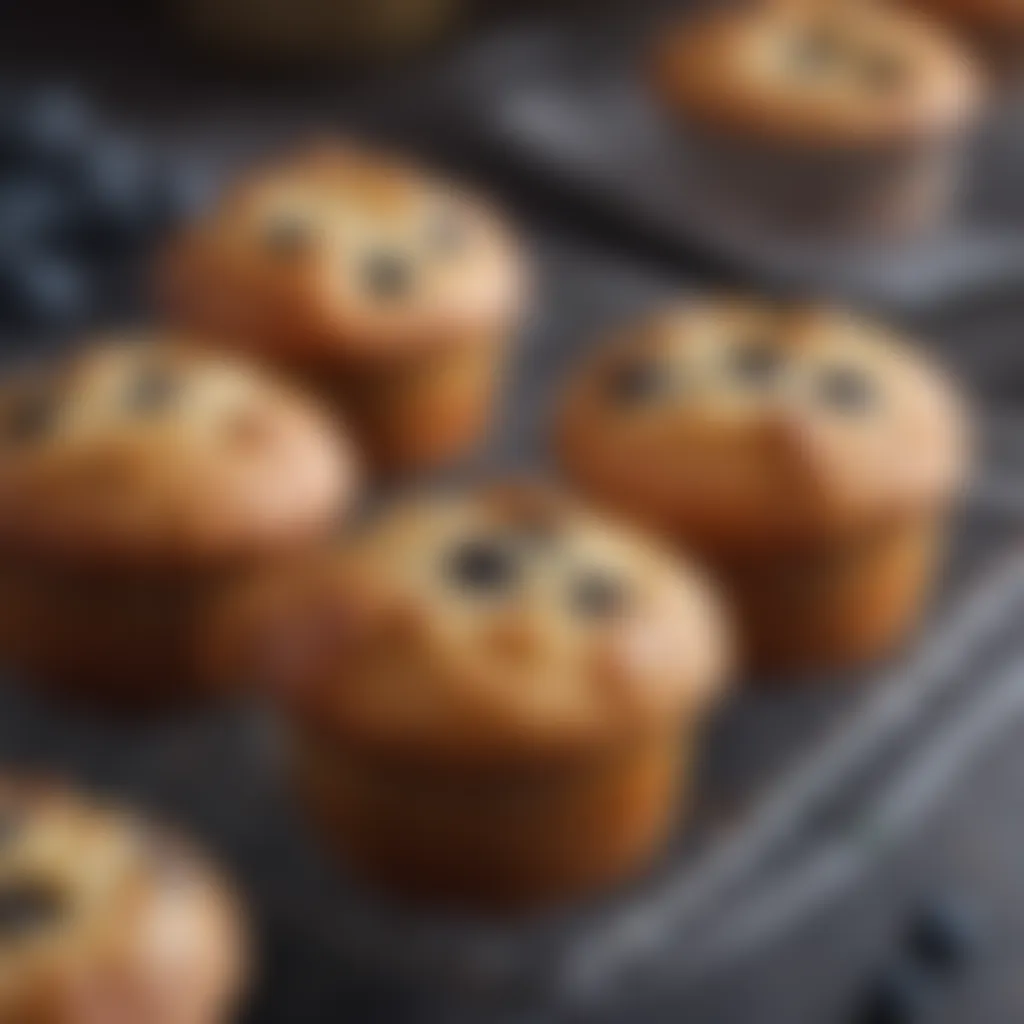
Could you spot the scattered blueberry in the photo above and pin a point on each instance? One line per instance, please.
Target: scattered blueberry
(900, 995)
(637, 382)
(944, 934)
(110, 189)
(44, 131)
(388, 276)
(596, 595)
(483, 565)
(846, 389)
(178, 192)
(32, 214)
(26, 906)
(42, 292)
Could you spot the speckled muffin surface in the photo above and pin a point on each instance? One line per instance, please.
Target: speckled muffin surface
(744, 425)
(105, 918)
(148, 453)
(501, 624)
(829, 75)
(336, 251)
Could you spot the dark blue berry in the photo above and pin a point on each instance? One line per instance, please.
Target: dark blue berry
(287, 235)
(388, 275)
(756, 364)
(42, 292)
(26, 906)
(152, 390)
(109, 191)
(846, 389)
(944, 934)
(483, 566)
(44, 131)
(638, 382)
(900, 995)
(32, 215)
(596, 595)
(177, 193)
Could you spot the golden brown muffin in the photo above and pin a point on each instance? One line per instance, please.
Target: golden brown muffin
(106, 919)
(996, 27)
(809, 457)
(842, 117)
(137, 477)
(495, 697)
(304, 31)
(391, 292)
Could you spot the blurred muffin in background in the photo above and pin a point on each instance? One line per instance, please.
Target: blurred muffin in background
(995, 27)
(106, 918)
(810, 458)
(840, 119)
(391, 293)
(137, 477)
(495, 697)
(318, 31)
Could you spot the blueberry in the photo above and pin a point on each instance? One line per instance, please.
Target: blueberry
(31, 214)
(813, 52)
(388, 276)
(846, 389)
(178, 192)
(110, 194)
(757, 364)
(27, 906)
(43, 131)
(39, 291)
(483, 565)
(287, 235)
(638, 382)
(28, 419)
(152, 390)
(596, 595)
(943, 934)
(900, 995)
(884, 71)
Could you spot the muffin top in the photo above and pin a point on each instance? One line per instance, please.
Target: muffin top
(502, 624)
(340, 251)
(148, 453)
(96, 905)
(834, 74)
(749, 425)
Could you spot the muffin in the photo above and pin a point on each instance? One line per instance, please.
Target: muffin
(841, 119)
(305, 31)
(392, 293)
(810, 458)
(995, 27)
(138, 476)
(104, 918)
(494, 698)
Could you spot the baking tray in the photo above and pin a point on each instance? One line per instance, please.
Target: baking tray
(791, 788)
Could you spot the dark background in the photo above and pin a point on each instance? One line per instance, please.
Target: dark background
(215, 773)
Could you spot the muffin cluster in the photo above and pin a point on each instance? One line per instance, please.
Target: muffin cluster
(494, 696)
